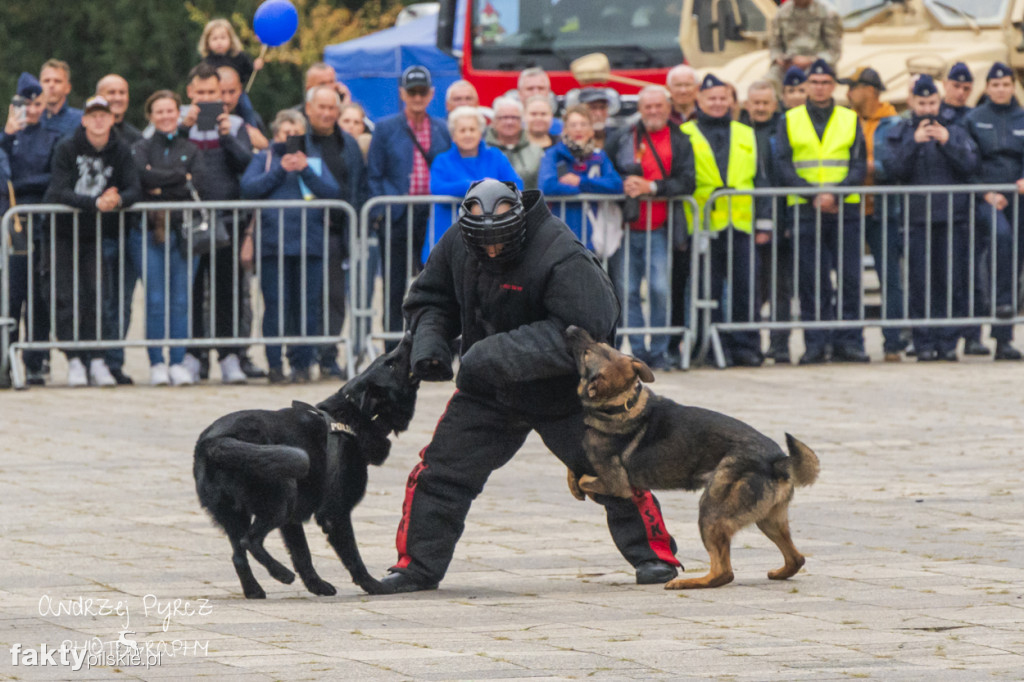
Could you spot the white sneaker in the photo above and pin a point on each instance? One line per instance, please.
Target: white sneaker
(192, 364)
(231, 370)
(76, 373)
(158, 375)
(180, 375)
(99, 374)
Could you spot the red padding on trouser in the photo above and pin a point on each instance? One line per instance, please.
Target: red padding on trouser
(402, 535)
(654, 525)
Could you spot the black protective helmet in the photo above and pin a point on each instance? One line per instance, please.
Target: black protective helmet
(491, 228)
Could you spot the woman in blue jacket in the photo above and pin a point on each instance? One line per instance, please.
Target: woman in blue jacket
(467, 160)
(575, 166)
(276, 174)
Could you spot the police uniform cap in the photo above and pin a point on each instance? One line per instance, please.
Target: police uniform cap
(924, 86)
(711, 81)
(960, 73)
(794, 76)
(999, 70)
(821, 68)
(28, 86)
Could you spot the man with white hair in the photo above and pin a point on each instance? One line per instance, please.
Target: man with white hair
(461, 93)
(655, 159)
(343, 159)
(535, 81)
(682, 85)
(507, 134)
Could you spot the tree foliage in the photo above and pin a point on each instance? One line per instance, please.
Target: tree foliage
(152, 43)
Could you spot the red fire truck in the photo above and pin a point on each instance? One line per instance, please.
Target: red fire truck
(496, 39)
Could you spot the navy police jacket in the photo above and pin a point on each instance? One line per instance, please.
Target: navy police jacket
(930, 163)
(998, 131)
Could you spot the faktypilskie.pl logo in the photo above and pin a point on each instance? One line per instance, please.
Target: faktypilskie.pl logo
(147, 643)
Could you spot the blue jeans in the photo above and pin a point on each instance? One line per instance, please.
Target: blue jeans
(167, 279)
(640, 267)
(290, 294)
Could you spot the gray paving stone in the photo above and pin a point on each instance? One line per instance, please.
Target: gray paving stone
(913, 534)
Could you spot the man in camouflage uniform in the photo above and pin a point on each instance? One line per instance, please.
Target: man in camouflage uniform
(801, 32)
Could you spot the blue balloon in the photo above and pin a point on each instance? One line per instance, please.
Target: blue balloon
(275, 22)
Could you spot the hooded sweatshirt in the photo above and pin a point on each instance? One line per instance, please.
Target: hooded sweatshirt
(81, 173)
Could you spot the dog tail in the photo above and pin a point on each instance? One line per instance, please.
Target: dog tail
(270, 462)
(803, 463)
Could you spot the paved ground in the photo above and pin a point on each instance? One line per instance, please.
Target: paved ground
(914, 537)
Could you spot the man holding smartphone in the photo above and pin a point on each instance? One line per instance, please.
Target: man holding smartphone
(28, 145)
(224, 153)
(922, 151)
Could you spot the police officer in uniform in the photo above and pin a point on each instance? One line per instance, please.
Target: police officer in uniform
(958, 85)
(997, 128)
(820, 144)
(923, 151)
(509, 280)
(794, 88)
(725, 155)
(957, 88)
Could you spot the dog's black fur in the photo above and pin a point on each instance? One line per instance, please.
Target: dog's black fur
(636, 439)
(257, 470)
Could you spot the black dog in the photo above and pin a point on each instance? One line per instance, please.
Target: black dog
(257, 470)
(636, 439)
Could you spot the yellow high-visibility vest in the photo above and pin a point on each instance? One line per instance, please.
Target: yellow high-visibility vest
(734, 211)
(822, 161)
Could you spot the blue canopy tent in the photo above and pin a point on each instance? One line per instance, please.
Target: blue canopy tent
(372, 65)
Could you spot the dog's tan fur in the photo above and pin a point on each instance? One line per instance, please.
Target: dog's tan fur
(637, 439)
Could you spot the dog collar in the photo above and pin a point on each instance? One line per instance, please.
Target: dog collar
(630, 403)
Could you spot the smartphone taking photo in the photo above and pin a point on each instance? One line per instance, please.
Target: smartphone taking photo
(208, 113)
(295, 143)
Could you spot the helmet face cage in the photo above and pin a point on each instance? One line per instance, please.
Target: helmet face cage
(490, 228)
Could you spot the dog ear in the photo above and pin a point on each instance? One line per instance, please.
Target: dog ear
(643, 371)
(594, 385)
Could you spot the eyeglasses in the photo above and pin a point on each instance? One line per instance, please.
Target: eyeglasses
(507, 118)
(417, 92)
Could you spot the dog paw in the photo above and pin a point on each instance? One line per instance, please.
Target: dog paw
(574, 486)
(372, 586)
(258, 593)
(321, 587)
(282, 574)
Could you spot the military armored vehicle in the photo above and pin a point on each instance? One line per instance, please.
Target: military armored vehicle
(898, 38)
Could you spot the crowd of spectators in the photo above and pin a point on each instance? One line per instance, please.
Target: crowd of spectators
(687, 138)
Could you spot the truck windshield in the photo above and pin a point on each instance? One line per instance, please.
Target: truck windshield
(550, 33)
(963, 12)
(949, 12)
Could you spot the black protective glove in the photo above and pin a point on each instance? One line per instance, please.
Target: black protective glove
(433, 369)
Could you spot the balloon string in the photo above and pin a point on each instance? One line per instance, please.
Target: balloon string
(263, 53)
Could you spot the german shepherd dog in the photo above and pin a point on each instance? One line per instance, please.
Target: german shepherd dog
(636, 439)
(257, 470)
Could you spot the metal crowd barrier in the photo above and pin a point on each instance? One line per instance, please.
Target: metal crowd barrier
(400, 262)
(974, 257)
(111, 271)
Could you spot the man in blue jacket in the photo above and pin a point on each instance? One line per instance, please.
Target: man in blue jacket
(55, 78)
(957, 89)
(29, 145)
(997, 127)
(923, 151)
(403, 147)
